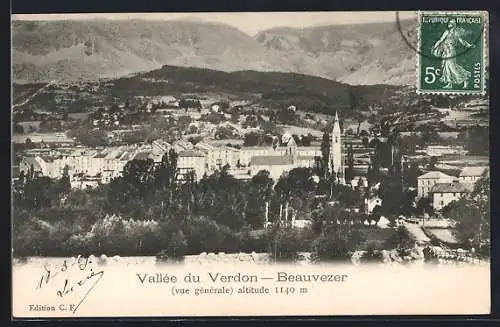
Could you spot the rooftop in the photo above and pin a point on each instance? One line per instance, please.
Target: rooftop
(83, 152)
(271, 160)
(162, 143)
(31, 160)
(435, 175)
(142, 156)
(47, 158)
(473, 171)
(102, 154)
(190, 153)
(126, 156)
(449, 188)
(204, 146)
(306, 157)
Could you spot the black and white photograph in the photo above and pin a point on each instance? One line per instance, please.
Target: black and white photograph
(148, 143)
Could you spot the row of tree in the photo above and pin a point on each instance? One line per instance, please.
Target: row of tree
(218, 212)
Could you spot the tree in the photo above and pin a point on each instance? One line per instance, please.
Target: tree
(365, 142)
(477, 141)
(263, 182)
(429, 137)
(372, 175)
(177, 245)
(473, 215)
(325, 154)
(432, 162)
(235, 117)
(407, 202)
(350, 164)
(165, 175)
(65, 182)
(372, 254)
(298, 183)
(359, 119)
(18, 129)
(383, 155)
(410, 174)
(346, 195)
(286, 243)
(251, 139)
(390, 191)
(206, 235)
(129, 194)
(400, 240)
(224, 133)
(409, 144)
(39, 192)
(90, 137)
(307, 139)
(337, 240)
(28, 143)
(424, 205)
(258, 194)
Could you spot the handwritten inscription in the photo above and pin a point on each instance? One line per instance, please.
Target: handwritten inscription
(51, 272)
(70, 285)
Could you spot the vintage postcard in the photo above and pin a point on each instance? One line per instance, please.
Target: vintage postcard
(250, 164)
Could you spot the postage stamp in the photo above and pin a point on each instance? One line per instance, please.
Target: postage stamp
(451, 53)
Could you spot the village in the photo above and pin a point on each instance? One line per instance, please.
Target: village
(434, 166)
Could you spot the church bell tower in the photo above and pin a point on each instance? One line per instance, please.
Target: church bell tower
(336, 151)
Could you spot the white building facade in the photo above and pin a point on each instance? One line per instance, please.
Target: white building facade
(445, 193)
(427, 181)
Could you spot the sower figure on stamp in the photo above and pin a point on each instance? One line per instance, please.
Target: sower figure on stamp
(445, 48)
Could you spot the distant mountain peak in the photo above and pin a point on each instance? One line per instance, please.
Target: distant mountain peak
(62, 50)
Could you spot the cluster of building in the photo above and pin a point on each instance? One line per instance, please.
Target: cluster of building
(442, 189)
(91, 167)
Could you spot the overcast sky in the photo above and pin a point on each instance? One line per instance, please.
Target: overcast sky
(248, 22)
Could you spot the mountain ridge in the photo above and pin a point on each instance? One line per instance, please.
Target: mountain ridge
(73, 50)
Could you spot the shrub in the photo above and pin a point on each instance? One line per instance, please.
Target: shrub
(285, 244)
(331, 248)
(430, 255)
(372, 254)
(205, 235)
(176, 249)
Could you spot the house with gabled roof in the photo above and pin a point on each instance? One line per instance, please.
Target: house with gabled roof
(445, 193)
(280, 159)
(426, 181)
(470, 175)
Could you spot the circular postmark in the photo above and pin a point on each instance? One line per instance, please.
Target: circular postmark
(411, 35)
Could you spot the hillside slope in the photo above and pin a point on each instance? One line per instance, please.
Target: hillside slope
(355, 54)
(72, 50)
(272, 89)
(67, 50)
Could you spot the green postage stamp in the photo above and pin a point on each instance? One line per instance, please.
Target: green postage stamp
(452, 52)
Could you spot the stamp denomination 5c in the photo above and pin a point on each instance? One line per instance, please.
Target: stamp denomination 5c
(451, 53)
